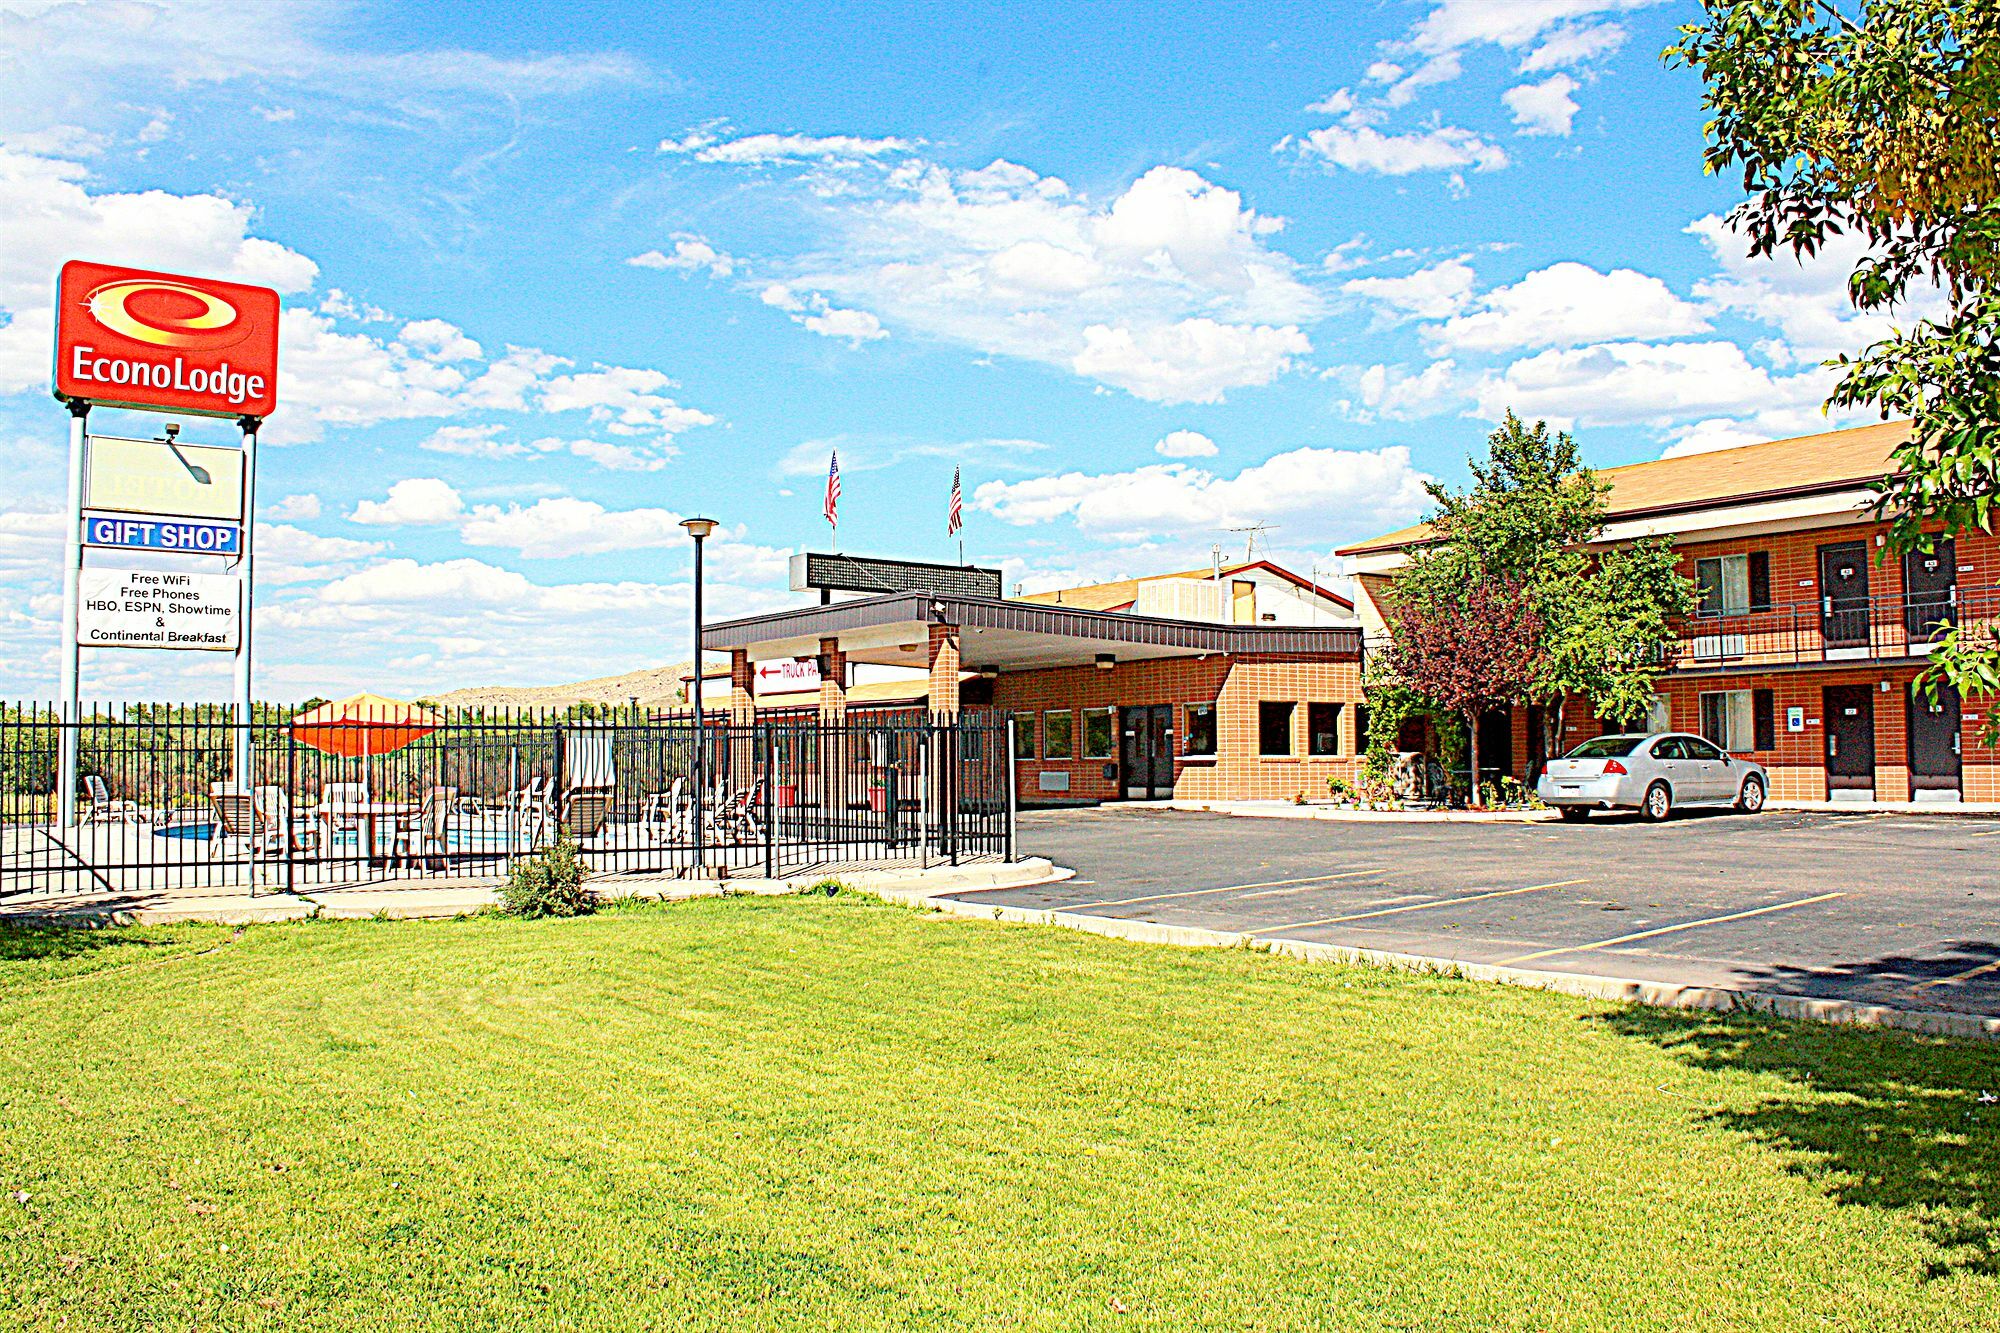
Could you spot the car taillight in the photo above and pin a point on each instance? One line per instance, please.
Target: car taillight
(1613, 766)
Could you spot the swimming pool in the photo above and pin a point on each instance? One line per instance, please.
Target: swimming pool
(186, 832)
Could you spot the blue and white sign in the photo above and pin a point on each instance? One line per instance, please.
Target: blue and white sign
(182, 536)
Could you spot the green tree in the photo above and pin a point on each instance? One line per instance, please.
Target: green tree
(1606, 619)
(1883, 120)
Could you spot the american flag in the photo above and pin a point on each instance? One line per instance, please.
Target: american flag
(957, 519)
(833, 491)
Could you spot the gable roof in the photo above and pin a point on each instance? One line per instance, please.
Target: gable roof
(1830, 461)
(1121, 594)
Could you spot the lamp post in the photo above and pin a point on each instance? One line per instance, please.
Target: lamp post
(699, 528)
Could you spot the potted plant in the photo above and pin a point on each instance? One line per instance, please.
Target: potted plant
(878, 793)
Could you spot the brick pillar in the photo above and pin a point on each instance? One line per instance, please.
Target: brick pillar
(944, 668)
(741, 697)
(833, 677)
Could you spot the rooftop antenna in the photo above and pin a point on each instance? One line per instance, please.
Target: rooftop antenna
(1250, 541)
(1215, 562)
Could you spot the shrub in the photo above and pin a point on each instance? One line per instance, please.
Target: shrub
(548, 883)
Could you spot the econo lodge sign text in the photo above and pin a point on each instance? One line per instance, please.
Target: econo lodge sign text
(126, 337)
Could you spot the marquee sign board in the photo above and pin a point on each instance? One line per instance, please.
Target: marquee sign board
(138, 532)
(164, 342)
(155, 477)
(150, 608)
(864, 574)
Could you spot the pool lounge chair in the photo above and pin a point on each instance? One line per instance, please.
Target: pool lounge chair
(421, 835)
(584, 812)
(104, 810)
(279, 829)
(235, 818)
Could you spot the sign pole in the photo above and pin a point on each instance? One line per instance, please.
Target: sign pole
(71, 721)
(246, 563)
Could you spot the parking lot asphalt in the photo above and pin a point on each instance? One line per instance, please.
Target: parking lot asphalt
(1891, 909)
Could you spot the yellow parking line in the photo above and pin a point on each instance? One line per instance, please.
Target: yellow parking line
(1226, 888)
(1418, 907)
(1668, 930)
(1966, 975)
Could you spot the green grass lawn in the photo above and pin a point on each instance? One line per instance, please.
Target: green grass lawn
(831, 1113)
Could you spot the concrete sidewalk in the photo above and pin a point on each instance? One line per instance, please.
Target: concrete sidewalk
(1343, 814)
(463, 898)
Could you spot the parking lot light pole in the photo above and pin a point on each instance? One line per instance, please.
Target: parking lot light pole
(699, 528)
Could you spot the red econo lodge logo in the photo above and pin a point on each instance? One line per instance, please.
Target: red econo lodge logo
(129, 338)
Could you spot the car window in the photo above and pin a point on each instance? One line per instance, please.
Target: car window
(1697, 749)
(1606, 747)
(1668, 747)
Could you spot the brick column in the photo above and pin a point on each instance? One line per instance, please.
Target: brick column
(741, 697)
(944, 668)
(833, 677)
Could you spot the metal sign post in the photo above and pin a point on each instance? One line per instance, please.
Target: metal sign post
(79, 417)
(246, 565)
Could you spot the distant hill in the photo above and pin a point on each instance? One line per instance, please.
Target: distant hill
(655, 687)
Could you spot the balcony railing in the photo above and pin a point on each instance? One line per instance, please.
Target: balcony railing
(1832, 629)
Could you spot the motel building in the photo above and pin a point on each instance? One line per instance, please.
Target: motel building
(1807, 634)
(1240, 681)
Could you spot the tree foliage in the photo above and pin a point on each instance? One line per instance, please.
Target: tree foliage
(1883, 120)
(1605, 620)
(1468, 652)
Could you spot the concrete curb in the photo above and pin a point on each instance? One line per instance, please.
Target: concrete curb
(435, 902)
(1662, 995)
(1287, 810)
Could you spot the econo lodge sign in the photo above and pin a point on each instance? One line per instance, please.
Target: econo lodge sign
(126, 337)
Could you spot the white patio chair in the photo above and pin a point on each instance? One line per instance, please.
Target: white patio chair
(104, 810)
(279, 829)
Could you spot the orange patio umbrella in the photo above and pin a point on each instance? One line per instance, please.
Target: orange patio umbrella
(363, 725)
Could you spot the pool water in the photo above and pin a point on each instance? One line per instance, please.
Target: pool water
(186, 832)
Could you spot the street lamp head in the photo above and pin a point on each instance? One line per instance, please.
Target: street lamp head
(698, 528)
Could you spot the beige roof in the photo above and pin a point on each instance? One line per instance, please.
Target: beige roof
(1828, 461)
(1121, 593)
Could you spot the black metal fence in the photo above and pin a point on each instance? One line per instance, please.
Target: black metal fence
(163, 808)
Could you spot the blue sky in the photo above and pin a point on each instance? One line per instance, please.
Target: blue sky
(556, 276)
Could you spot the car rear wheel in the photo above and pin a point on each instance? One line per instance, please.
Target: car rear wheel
(1574, 814)
(1752, 799)
(1659, 803)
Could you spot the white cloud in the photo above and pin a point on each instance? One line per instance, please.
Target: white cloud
(1658, 384)
(441, 340)
(708, 145)
(302, 505)
(857, 326)
(1806, 301)
(493, 442)
(625, 400)
(808, 458)
(1453, 25)
(566, 526)
(1543, 108)
(1365, 148)
(1194, 361)
(1185, 444)
(1776, 423)
(288, 554)
(1566, 304)
(414, 500)
(1392, 393)
(1324, 491)
(1574, 44)
(1432, 292)
(1168, 289)
(691, 254)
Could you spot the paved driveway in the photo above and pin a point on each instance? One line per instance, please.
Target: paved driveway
(1900, 910)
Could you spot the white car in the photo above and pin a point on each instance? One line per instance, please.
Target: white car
(1650, 774)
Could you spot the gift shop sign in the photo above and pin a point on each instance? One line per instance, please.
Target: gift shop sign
(127, 337)
(150, 608)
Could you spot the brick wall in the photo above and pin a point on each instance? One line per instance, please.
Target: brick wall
(1797, 760)
(1235, 686)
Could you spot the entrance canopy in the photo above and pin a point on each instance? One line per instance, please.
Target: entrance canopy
(894, 630)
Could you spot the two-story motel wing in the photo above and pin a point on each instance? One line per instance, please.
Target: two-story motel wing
(1808, 631)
